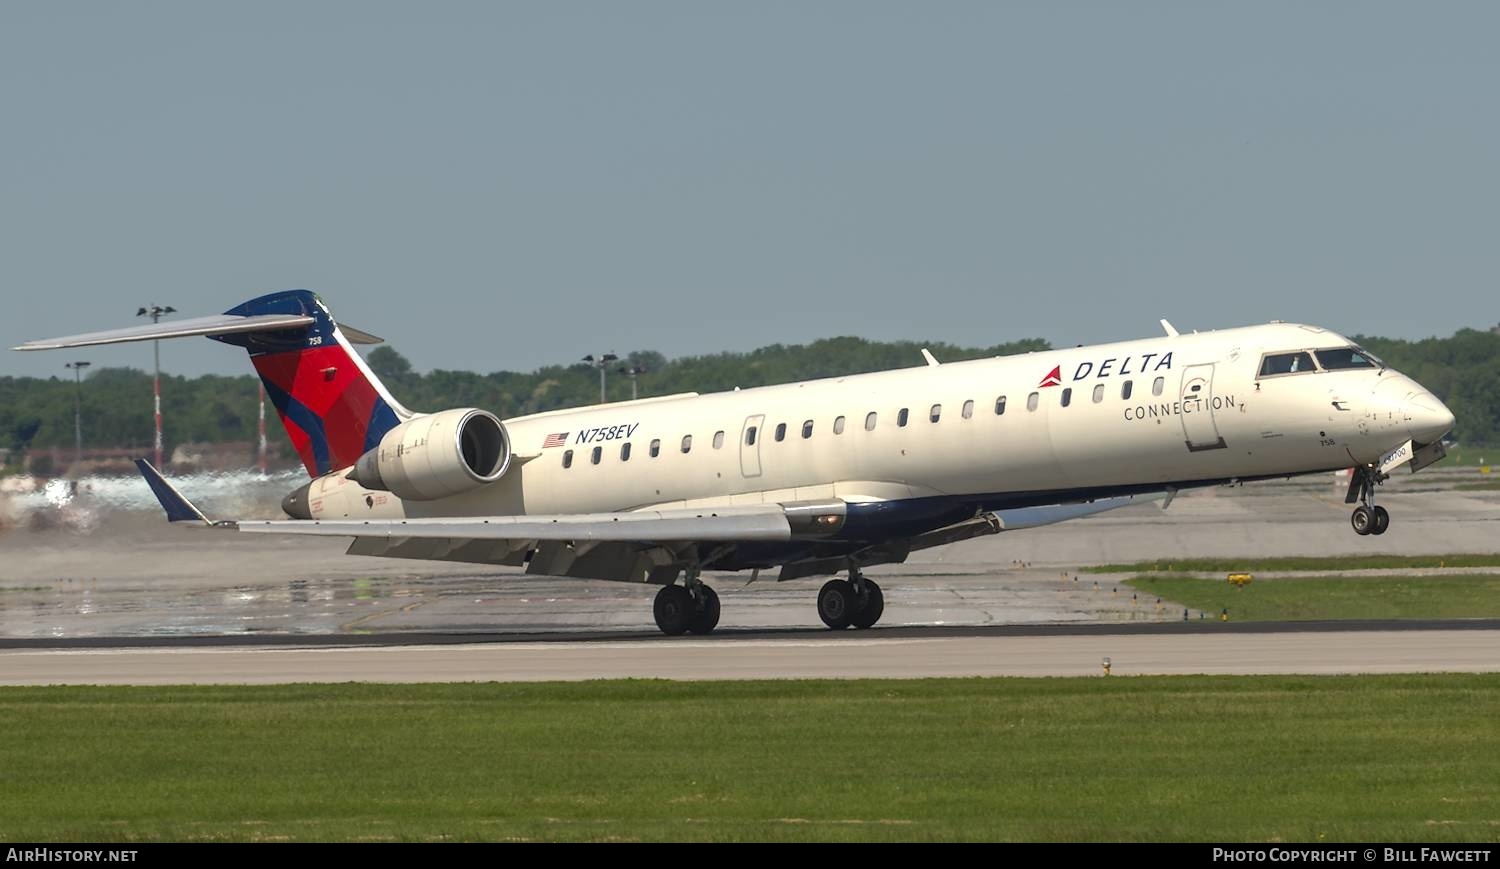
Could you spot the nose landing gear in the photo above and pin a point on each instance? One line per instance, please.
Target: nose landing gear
(1367, 518)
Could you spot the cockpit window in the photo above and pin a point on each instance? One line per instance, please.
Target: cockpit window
(1342, 358)
(1286, 363)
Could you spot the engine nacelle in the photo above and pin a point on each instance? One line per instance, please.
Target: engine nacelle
(437, 455)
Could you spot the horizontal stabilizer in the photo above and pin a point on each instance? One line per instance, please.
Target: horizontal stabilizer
(179, 509)
(220, 324)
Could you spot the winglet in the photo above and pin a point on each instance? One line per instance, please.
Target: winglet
(179, 509)
(931, 360)
(1170, 329)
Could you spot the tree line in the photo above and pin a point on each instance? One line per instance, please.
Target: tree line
(1463, 370)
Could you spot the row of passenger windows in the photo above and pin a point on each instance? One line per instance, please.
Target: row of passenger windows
(903, 416)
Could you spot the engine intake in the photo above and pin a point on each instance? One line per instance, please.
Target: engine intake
(437, 455)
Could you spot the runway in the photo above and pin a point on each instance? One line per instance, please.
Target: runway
(128, 574)
(876, 654)
(124, 599)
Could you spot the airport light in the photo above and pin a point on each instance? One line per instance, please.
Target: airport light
(77, 368)
(156, 312)
(632, 371)
(601, 363)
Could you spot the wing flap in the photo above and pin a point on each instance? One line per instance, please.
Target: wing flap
(751, 523)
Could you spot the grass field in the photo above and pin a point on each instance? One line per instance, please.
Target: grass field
(1254, 564)
(1377, 758)
(1468, 456)
(1337, 597)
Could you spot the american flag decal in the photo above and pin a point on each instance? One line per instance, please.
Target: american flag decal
(555, 440)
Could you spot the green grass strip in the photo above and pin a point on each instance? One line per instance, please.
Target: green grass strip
(1377, 758)
(1314, 598)
(1254, 563)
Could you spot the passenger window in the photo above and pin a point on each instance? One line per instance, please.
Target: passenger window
(936, 413)
(1098, 393)
(1286, 363)
(838, 425)
(598, 454)
(687, 443)
(1158, 385)
(1067, 396)
(901, 417)
(655, 447)
(1031, 401)
(718, 440)
(568, 459)
(807, 429)
(1000, 406)
(1125, 390)
(625, 451)
(780, 432)
(870, 421)
(750, 436)
(968, 411)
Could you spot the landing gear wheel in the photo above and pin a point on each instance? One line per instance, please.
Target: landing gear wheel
(708, 611)
(836, 602)
(868, 611)
(1382, 521)
(1362, 520)
(675, 610)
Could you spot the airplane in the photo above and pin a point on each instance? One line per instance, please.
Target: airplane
(815, 478)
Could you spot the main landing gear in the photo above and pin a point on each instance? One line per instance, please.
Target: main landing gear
(688, 608)
(1367, 518)
(855, 602)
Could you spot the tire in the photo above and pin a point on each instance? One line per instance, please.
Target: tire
(674, 610)
(836, 603)
(1382, 521)
(708, 613)
(869, 610)
(1362, 520)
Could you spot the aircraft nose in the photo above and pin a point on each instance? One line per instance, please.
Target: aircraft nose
(1403, 406)
(1427, 418)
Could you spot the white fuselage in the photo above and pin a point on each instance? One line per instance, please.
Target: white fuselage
(1198, 410)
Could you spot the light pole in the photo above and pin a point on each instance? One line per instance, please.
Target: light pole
(77, 408)
(155, 312)
(632, 371)
(601, 363)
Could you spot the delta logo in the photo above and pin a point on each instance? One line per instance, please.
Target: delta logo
(1109, 367)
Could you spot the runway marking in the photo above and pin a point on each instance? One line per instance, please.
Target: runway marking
(652, 644)
(1412, 651)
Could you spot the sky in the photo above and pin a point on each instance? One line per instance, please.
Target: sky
(495, 185)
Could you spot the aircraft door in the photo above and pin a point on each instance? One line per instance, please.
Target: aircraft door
(1197, 410)
(750, 438)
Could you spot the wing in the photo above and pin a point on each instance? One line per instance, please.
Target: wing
(635, 546)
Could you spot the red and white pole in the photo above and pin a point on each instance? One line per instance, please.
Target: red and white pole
(262, 429)
(155, 312)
